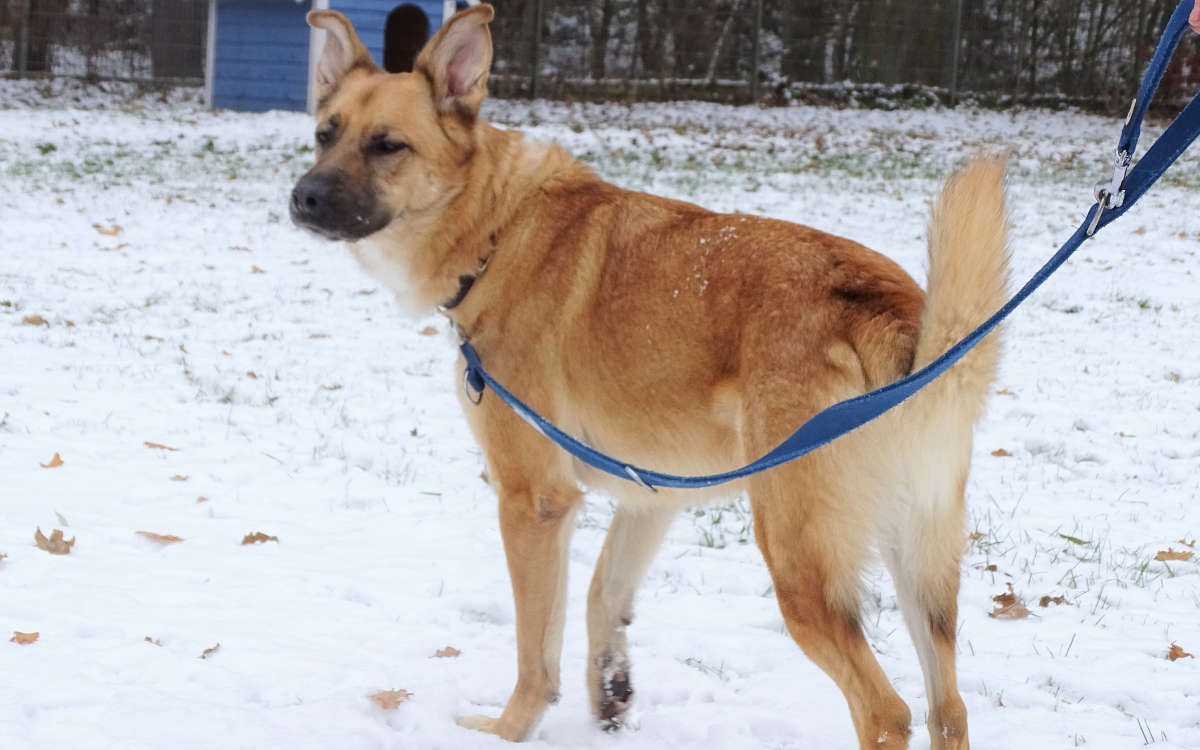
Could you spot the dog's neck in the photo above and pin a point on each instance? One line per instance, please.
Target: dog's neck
(507, 173)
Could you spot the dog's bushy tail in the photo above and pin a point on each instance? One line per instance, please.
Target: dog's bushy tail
(968, 281)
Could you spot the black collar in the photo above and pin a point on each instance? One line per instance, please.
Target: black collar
(465, 282)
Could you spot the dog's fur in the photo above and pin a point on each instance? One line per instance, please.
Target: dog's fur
(689, 341)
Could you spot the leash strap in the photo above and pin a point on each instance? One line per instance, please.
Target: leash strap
(1113, 200)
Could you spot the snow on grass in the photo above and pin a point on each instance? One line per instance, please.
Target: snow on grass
(302, 405)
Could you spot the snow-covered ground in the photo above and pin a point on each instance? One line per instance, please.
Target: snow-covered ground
(181, 308)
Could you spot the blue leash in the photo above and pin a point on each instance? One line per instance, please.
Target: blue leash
(1113, 198)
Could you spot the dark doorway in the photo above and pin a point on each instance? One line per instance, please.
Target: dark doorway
(404, 35)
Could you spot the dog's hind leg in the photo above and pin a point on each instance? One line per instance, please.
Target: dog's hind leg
(536, 526)
(923, 557)
(633, 538)
(811, 536)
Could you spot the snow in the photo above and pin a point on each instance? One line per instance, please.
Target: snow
(347, 443)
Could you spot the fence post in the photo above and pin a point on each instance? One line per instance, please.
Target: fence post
(540, 9)
(958, 7)
(757, 47)
(23, 40)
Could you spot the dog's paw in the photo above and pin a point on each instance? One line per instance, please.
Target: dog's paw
(616, 693)
(478, 722)
(498, 727)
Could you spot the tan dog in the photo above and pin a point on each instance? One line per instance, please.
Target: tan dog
(688, 341)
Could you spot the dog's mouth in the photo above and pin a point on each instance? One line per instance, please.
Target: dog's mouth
(352, 228)
(323, 206)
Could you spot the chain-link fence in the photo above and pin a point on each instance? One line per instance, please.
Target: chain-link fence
(139, 40)
(1083, 52)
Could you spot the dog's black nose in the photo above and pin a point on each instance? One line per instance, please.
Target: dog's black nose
(310, 197)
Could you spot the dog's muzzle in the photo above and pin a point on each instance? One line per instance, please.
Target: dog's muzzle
(322, 203)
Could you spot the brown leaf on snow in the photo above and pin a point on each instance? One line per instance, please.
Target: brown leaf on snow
(258, 536)
(1171, 554)
(447, 652)
(427, 331)
(1009, 606)
(112, 231)
(1005, 392)
(160, 446)
(318, 335)
(179, 478)
(155, 641)
(1186, 543)
(1173, 653)
(54, 462)
(256, 269)
(2, 555)
(35, 320)
(1047, 600)
(55, 545)
(202, 499)
(27, 638)
(391, 699)
(160, 538)
(210, 651)
(1001, 453)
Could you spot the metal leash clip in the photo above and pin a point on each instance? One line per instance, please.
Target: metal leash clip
(1110, 194)
(469, 386)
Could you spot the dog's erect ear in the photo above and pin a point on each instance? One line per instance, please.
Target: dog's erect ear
(456, 61)
(343, 52)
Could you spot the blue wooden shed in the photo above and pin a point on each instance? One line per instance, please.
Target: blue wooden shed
(262, 55)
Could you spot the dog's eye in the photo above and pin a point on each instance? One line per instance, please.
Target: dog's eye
(324, 136)
(384, 146)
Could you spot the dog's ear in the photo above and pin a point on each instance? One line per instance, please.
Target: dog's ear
(343, 52)
(456, 61)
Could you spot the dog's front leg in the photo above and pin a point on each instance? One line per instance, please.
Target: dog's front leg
(536, 526)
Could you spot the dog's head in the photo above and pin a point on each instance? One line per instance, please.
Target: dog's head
(392, 149)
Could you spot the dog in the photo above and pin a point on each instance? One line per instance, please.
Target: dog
(690, 340)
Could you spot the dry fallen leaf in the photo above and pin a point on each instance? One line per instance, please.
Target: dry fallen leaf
(391, 699)
(1000, 453)
(160, 538)
(54, 462)
(1009, 606)
(155, 641)
(210, 651)
(27, 638)
(447, 652)
(428, 331)
(256, 269)
(179, 478)
(1173, 653)
(202, 499)
(160, 446)
(55, 545)
(1005, 392)
(112, 231)
(1186, 543)
(2, 555)
(258, 536)
(1047, 600)
(1171, 554)
(35, 320)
